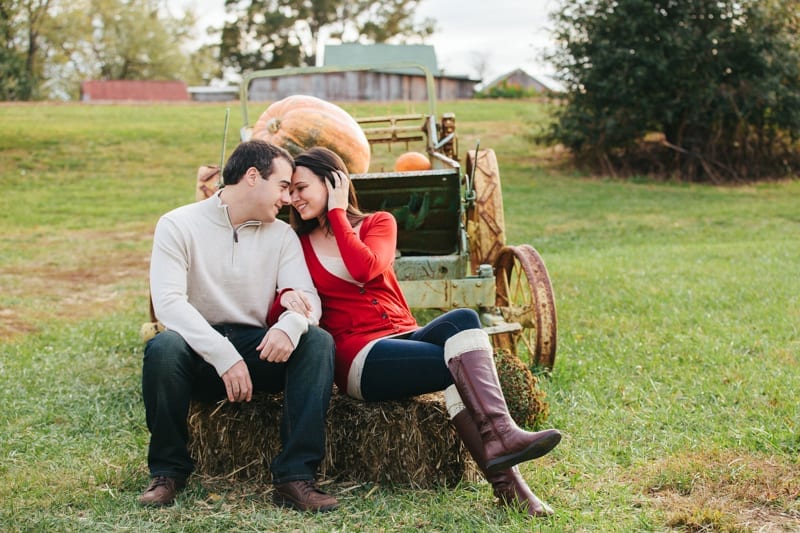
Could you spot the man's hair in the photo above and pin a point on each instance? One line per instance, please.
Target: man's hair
(323, 163)
(258, 154)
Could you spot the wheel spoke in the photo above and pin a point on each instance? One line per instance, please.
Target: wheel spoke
(524, 296)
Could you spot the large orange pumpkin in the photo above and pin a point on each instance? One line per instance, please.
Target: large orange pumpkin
(410, 161)
(299, 122)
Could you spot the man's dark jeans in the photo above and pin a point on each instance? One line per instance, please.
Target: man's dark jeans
(173, 374)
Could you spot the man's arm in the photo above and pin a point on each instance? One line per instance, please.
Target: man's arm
(168, 287)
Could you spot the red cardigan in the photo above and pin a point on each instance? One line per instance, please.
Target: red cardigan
(356, 315)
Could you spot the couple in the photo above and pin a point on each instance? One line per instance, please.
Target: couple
(243, 298)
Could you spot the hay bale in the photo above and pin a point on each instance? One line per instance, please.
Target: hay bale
(208, 177)
(408, 442)
(235, 440)
(526, 402)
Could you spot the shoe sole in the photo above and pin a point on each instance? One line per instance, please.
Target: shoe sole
(156, 504)
(281, 501)
(538, 449)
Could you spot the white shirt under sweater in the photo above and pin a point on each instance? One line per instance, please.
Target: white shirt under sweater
(203, 271)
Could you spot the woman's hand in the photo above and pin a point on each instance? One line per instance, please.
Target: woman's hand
(296, 301)
(338, 193)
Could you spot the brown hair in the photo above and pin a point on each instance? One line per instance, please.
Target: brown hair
(323, 163)
(254, 153)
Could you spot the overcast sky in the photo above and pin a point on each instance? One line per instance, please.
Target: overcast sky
(511, 34)
(507, 34)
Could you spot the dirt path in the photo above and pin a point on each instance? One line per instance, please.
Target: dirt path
(72, 278)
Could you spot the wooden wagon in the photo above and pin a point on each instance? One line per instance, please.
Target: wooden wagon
(451, 249)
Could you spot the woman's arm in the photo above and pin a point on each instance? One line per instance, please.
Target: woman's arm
(371, 256)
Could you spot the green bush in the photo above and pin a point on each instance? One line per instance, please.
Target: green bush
(717, 81)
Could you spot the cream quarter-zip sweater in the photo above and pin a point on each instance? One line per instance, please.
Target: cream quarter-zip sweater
(205, 272)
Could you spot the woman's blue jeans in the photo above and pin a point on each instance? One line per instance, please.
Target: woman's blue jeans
(410, 365)
(173, 375)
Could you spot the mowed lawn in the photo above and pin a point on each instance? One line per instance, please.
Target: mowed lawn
(676, 379)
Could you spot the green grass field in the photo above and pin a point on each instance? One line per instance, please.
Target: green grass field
(676, 383)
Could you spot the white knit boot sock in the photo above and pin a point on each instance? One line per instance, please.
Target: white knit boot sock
(463, 341)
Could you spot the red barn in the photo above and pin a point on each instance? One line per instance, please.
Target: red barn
(133, 90)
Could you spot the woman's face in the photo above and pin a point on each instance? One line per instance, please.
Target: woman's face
(309, 194)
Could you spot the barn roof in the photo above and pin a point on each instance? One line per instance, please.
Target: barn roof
(354, 54)
(520, 77)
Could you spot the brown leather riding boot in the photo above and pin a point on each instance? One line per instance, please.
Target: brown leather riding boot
(508, 485)
(469, 358)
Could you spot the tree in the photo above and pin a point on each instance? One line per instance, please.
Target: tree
(21, 23)
(481, 61)
(277, 33)
(53, 45)
(716, 80)
(132, 40)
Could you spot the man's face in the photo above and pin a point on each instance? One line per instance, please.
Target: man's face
(273, 193)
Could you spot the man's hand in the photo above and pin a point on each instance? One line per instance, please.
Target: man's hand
(296, 301)
(237, 383)
(276, 347)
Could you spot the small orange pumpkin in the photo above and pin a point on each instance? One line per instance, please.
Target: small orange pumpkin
(299, 122)
(411, 161)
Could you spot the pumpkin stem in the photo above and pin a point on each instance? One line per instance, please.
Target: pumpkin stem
(274, 125)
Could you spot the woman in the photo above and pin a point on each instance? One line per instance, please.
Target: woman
(381, 352)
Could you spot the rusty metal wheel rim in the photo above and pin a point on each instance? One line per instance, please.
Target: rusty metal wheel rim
(524, 295)
(485, 217)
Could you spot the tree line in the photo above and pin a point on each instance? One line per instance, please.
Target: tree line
(703, 90)
(47, 47)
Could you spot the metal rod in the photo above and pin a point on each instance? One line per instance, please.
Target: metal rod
(221, 182)
(470, 196)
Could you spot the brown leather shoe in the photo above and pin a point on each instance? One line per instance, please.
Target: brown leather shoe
(162, 491)
(304, 495)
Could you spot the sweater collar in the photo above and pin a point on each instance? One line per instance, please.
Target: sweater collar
(222, 216)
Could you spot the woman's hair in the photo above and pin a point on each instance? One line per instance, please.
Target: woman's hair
(323, 163)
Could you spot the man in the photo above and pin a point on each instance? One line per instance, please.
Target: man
(217, 268)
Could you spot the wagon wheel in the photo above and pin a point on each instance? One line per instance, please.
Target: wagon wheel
(524, 295)
(485, 220)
